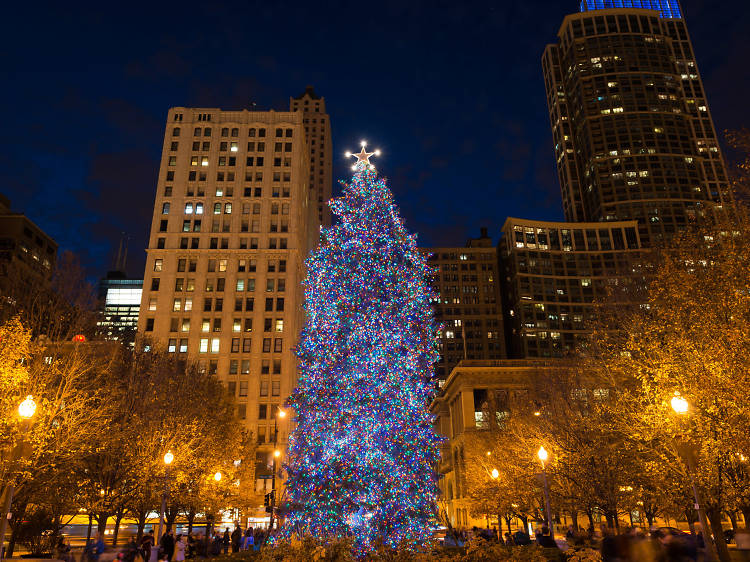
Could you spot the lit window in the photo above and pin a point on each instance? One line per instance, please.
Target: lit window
(199, 208)
(585, 282)
(222, 265)
(205, 325)
(233, 147)
(152, 304)
(188, 304)
(227, 208)
(204, 345)
(158, 265)
(188, 208)
(204, 160)
(185, 324)
(215, 345)
(236, 325)
(177, 304)
(240, 285)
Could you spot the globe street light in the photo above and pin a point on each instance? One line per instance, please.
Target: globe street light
(217, 476)
(679, 404)
(681, 407)
(543, 456)
(280, 414)
(26, 411)
(168, 459)
(27, 408)
(495, 474)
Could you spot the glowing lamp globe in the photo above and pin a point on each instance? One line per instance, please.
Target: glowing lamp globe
(542, 454)
(282, 414)
(168, 458)
(679, 404)
(495, 474)
(277, 453)
(27, 408)
(217, 476)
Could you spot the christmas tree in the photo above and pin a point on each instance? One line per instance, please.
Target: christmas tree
(361, 458)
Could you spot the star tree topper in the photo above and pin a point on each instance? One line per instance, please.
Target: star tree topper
(363, 157)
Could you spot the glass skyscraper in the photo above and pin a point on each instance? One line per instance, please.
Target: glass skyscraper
(633, 134)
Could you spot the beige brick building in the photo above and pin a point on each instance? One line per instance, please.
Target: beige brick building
(318, 135)
(234, 218)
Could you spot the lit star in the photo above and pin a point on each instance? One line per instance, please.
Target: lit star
(363, 156)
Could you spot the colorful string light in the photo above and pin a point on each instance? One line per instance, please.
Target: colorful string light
(361, 459)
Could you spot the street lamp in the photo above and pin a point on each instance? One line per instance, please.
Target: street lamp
(27, 408)
(168, 459)
(543, 456)
(495, 474)
(681, 407)
(217, 476)
(280, 414)
(26, 411)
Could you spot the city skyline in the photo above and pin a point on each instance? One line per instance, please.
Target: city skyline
(102, 173)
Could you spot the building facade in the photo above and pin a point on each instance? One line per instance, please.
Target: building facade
(120, 303)
(553, 275)
(234, 219)
(468, 307)
(23, 242)
(633, 134)
(460, 409)
(317, 125)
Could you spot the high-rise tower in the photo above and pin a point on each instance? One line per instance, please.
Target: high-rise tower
(632, 130)
(234, 219)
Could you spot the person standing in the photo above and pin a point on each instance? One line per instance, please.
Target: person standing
(167, 545)
(226, 540)
(236, 539)
(179, 549)
(147, 542)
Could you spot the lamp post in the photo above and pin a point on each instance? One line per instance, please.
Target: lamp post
(543, 456)
(280, 414)
(168, 458)
(26, 411)
(681, 407)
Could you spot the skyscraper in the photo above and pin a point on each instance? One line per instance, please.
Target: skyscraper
(318, 135)
(467, 283)
(633, 134)
(234, 218)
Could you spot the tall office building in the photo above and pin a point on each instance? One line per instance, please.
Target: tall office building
(633, 134)
(467, 283)
(553, 274)
(234, 218)
(318, 135)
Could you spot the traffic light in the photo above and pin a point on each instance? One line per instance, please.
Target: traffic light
(267, 500)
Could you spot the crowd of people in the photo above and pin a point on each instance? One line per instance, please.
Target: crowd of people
(172, 547)
(664, 544)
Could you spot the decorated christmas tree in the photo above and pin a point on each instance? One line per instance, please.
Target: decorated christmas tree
(361, 459)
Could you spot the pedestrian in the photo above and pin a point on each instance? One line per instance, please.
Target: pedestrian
(62, 550)
(545, 539)
(167, 545)
(179, 549)
(236, 539)
(147, 542)
(521, 537)
(509, 539)
(226, 540)
(248, 538)
(216, 545)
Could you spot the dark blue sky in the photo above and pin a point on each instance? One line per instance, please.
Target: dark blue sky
(451, 92)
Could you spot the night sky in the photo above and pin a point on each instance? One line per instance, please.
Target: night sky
(451, 92)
